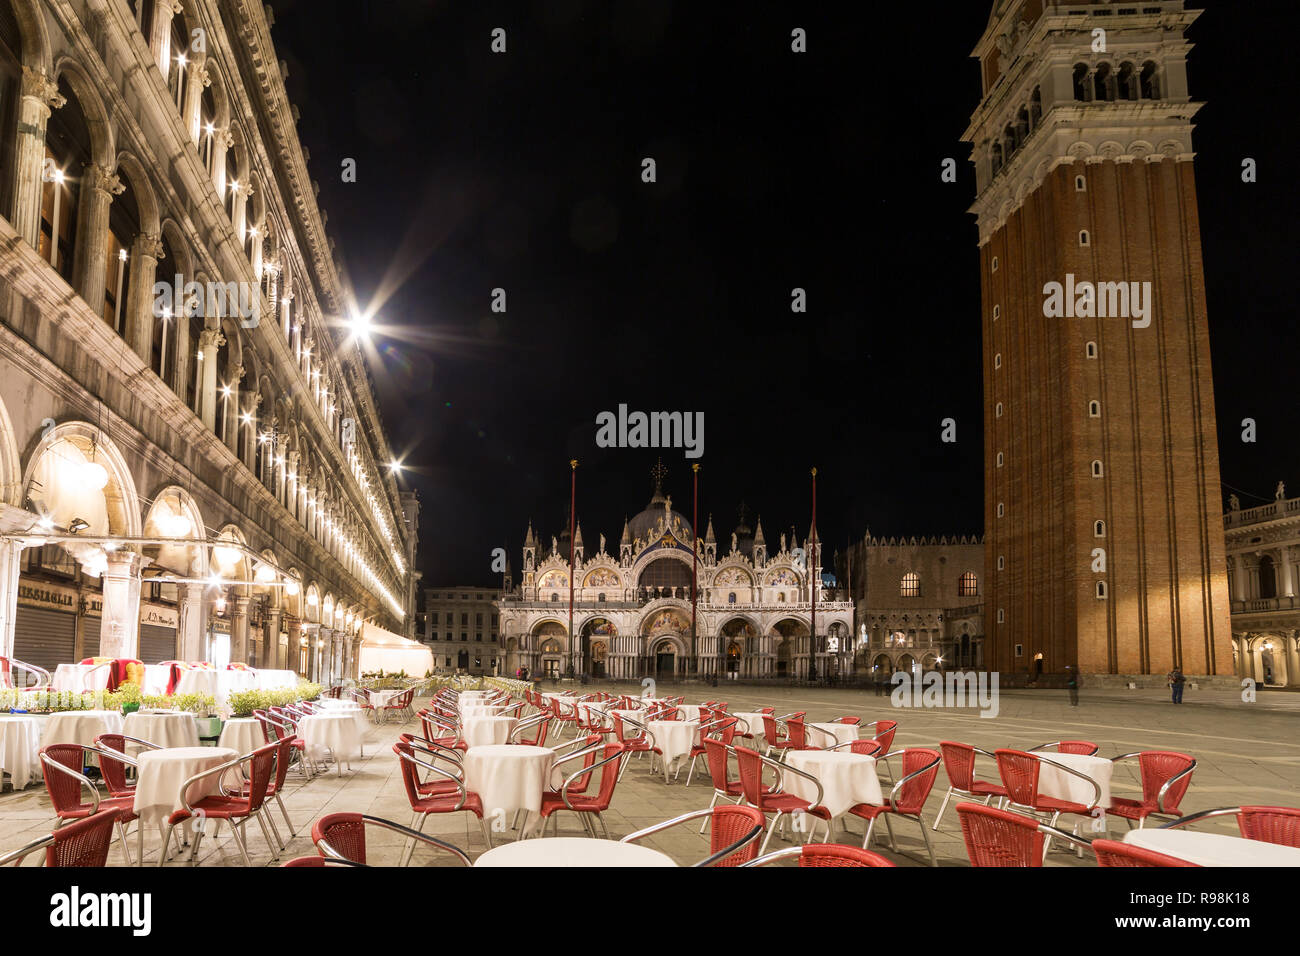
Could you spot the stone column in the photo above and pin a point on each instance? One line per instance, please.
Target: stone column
(222, 140)
(250, 444)
(197, 82)
(11, 553)
(160, 37)
(209, 341)
(146, 251)
(1291, 648)
(192, 626)
(239, 211)
(119, 628)
(1238, 577)
(99, 186)
(230, 408)
(1285, 584)
(271, 635)
(239, 629)
(291, 491)
(40, 95)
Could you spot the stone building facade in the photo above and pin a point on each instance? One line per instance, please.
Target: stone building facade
(632, 609)
(918, 604)
(462, 627)
(1104, 547)
(1263, 550)
(188, 472)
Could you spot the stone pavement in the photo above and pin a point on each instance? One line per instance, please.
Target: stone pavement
(1247, 753)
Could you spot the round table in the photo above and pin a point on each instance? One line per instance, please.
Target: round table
(174, 728)
(1055, 782)
(571, 852)
(750, 723)
(483, 731)
(843, 734)
(242, 735)
(333, 705)
(80, 678)
(508, 777)
(674, 738)
(20, 744)
(847, 779)
(80, 726)
(1213, 849)
(159, 775)
(480, 710)
(339, 734)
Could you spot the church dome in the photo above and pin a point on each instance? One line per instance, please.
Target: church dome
(648, 521)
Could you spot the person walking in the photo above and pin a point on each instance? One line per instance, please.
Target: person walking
(1072, 681)
(1176, 682)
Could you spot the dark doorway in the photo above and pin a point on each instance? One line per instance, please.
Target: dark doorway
(462, 661)
(665, 664)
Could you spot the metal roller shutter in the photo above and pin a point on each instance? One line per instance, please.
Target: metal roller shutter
(44, 637)
(90, 637)
(157, 644)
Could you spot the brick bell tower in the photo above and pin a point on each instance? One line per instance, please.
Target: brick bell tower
(1104, 539)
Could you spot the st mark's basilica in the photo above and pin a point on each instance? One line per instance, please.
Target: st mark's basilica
(632, 611)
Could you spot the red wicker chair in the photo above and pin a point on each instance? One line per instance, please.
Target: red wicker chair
(1114, 853)
(733, 839)
(1019, 771)
(959, 764)
(461, 800)
(1166, 775)
(61, 765)
(320, 861)
(772, 731)
(235, 810)
(1085, 747)
(824, 854)
(1280, 825)
(82, 843)
(716, 756)
(854, 721)
(908, 796)
(343, 836)
(583, 805)
(771, 800)
(723, 728)
(1001, 838)
(113, 769)
(641, 743)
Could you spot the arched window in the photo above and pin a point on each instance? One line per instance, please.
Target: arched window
(910, 585)
(1080, 184)
(1097, 471)
(1267, 577)
(1082, 89)
(997, 360)
(178, 68)
(11, 75)
(67, 150)
(996, 157)
(1009, 142)
(1150, 81)
(1091, 350)
(1094, 409)
(1022, 126)
(1084, 238)
(166, 328)
(207, 127)
(1000, 459)
(731, 598)
(554, 598)
(1035, 109)
(1101, 590)
(1129, 88)
(1104, 83)
(143, 11)
(968, 585)
(123, 227)
(997, 412)
(601, 598)
(194, 362)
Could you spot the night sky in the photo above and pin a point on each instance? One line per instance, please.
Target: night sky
(522, 171)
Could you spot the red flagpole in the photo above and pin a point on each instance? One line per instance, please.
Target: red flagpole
(695, 560)
(813, 549)
(573, 502)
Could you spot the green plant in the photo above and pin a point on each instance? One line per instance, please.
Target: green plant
(244, 702)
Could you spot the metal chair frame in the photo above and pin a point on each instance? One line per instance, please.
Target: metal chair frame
(94, 791)
(893, 806)
(334, 855)
(1160, 810)
(710, 860)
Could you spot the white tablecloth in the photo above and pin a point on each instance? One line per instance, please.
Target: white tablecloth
(484, 731)
(847, 779)
(340, 734)
(161, 772)
(480, 710)
(333, 705)
(80, 726)
(155, 680)
(20, 744)
(382, 698)
(508, 777)
(176, 729)
(750, 723)
(675, 738)
(571, 852)
(78, 678)
(242, 735)
(689, 711)
(200, 681)
(1053, 782)
(843, 734)
(1213, 849)
(475, 697)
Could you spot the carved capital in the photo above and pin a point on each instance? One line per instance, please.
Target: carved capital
(237, 373)
(210, 339)
(40, 87)
(148, 244)
(103, 179)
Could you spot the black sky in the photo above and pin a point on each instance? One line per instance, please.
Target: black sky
(522, 171)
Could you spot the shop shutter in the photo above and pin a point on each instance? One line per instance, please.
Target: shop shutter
(44, 637)
(90, 636)
(157, 643)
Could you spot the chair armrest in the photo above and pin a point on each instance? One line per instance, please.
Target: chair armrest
(1058, 834)
(328, 851)
(17, 856)
(183, 801)
(893, 803)
(786, 768)
(774, 856)
(464, 793)
(143, 743)
(1160, 797)
(725, 852)
(667, 824)
(808, 727)
(564, 789)
(1200, 815)
(1096, 799)
(85, 781)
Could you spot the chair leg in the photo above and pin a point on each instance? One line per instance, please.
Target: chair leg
(712, 804)
(890, 828)
(274, 845)
(942, 807)
(928, 845)
(126, 849)
(139, 843)
(692, 771)
(866, 840)
(771, 828)
(238, 830)
(285, 814)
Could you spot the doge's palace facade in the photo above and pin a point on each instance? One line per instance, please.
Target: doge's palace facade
(188, 471)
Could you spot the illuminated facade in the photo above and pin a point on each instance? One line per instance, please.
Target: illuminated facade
(632, 612)
(193, 470)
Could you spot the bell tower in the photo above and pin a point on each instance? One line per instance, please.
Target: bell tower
(1104, 542)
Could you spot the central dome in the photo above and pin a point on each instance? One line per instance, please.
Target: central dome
(648, 521)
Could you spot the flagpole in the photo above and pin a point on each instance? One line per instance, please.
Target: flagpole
(573, 501)
(813, 568)
(695, 560)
